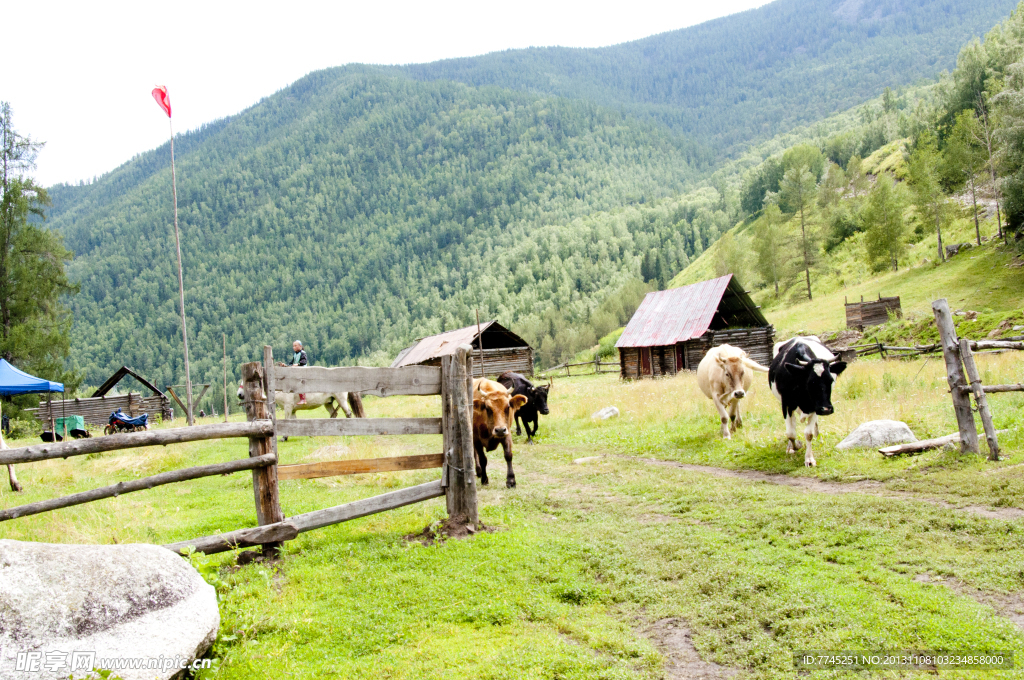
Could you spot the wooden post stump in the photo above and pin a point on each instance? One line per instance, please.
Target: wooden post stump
(258, 387)
(459, 475)
(955, 376)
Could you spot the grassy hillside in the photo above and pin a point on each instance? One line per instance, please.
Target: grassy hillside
(989, 279)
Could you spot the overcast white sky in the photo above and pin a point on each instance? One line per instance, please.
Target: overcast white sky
(78, 74)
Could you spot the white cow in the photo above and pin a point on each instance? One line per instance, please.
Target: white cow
(724, 376)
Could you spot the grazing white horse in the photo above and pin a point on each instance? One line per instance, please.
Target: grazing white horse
(289, 401)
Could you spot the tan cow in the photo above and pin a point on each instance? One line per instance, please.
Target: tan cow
(493, 411)
(724, 375)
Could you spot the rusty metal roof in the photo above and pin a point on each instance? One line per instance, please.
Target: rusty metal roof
(668, 317)
(439, 345)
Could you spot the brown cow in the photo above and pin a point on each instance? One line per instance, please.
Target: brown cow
(493, 410)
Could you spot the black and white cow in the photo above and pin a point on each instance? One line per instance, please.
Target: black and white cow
(801, 377)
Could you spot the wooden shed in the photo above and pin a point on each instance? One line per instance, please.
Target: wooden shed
(96, 409)
(861, 314)
(503, 350)
(673, 329)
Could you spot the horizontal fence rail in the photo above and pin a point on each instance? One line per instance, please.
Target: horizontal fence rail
(322, 427)
(130, 440)
(282, 531)
(113, 490)
(899, 351)
(381, 382)
(336, 468)
(596, 365)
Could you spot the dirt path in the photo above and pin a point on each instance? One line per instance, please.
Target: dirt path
(673, 639)
(868, 487)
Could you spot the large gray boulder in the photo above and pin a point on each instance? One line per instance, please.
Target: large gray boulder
(63, 606)
(877, 433)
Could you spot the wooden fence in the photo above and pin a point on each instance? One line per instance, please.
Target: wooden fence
(906, 352)
(452, 380)
(965, 381)
(597, 365)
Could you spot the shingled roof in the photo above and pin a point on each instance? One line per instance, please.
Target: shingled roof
(668, 317)
(439, 345)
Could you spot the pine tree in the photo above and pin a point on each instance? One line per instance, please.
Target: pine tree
(886, 237)
(771, 245)
(965, 158)
(34, 324)
(798, 188)
(924, 179)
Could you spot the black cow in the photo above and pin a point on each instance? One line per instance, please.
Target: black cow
(801, 377)
(536, 401)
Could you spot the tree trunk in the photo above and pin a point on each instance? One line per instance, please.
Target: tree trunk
(974, 199)
(938, 233)
(807, 264)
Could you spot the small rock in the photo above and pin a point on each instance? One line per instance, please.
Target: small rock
(971, 315)
(605, 413)
(116, 601)
(588, 459)
(877, 433)
(1018, 328)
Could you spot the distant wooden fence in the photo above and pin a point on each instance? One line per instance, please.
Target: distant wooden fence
(452, 380)
(862, 314)
(906, 352)
(596, 364)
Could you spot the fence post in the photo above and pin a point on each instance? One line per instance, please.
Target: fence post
(258, 384)
(980, 399)
(955, 376)
(457, 415)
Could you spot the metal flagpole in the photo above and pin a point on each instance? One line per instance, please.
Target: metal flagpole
(181, 283)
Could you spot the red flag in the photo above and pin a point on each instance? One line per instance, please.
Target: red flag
(162, 99)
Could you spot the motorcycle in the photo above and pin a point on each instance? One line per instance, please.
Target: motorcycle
(119, 422)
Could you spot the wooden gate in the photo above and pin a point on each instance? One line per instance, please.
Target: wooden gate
(457, 482)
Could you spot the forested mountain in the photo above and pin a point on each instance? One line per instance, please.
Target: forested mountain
(355, 210)
(749, 75)
(364, 206)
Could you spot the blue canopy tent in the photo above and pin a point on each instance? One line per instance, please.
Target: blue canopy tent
(13, 381)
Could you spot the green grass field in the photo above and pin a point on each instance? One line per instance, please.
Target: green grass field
(589, 561)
